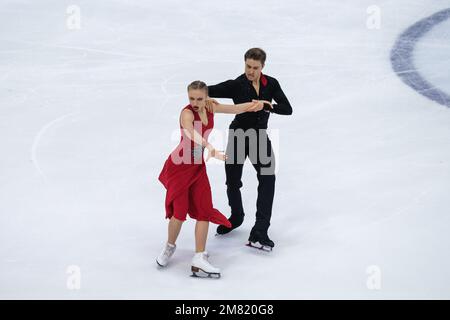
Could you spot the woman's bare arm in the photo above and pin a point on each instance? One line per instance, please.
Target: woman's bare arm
(187, 123)
(255, 105)
(238, 108)
(232, 108)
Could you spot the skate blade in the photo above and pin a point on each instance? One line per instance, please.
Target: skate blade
(199, 273)
(259, 246)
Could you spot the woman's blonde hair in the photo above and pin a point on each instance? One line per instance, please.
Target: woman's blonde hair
(198, 85)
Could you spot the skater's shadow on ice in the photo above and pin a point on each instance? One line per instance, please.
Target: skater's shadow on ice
(228, 241)
(226, 249)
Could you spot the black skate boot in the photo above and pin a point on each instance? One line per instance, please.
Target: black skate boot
(260, 240)
(235, 221)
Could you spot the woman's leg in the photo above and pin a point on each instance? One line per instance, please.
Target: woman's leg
(174, 230)
(201, 234)
(180, 206)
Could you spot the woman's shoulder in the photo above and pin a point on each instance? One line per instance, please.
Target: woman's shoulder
(188, 107)
(187, 112)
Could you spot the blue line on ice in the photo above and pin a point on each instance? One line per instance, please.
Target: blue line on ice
(402, 57)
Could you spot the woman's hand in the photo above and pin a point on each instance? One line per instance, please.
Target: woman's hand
(213, 153)
(210, 102)
(219, 155)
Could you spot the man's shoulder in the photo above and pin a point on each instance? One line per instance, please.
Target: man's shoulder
(230, 81)
(270, 79)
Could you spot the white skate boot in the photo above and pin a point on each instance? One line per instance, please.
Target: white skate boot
(202, 268)
(165, 255)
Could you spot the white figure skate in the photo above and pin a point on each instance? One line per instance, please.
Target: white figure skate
(166, 254)
(202, 268)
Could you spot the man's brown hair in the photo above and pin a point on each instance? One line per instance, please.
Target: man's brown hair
(257, 54)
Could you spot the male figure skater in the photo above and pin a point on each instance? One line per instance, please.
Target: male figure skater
(248, 138)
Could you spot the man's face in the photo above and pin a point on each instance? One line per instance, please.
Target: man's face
(197, 99)
(253, 69)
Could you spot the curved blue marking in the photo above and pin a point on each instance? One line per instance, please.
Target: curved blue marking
(402, 57)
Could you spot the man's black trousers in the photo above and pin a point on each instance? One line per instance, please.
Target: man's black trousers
(255, 145)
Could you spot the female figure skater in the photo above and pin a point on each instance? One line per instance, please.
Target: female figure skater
(184, 176)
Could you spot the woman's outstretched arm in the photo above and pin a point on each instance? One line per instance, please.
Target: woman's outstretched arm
(255, 105)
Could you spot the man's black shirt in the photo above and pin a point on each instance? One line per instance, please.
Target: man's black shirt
(241, 90)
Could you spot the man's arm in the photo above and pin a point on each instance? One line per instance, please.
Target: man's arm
(224, 89)
(282, 105)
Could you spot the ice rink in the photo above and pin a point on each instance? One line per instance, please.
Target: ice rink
(90, 95)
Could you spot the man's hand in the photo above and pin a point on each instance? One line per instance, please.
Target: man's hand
(210, 102)
(258, 105)
(265, 102)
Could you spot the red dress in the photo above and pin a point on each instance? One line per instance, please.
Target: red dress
(184, 176)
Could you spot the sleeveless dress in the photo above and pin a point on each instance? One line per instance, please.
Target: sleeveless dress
(184, 176)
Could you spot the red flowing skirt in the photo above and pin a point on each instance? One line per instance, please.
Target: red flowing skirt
(189, 192)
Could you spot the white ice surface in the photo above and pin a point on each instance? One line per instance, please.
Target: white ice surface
(87, 118)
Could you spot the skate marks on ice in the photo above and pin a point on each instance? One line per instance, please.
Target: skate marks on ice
(38, 138)
(86, 50)
(402, 58)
